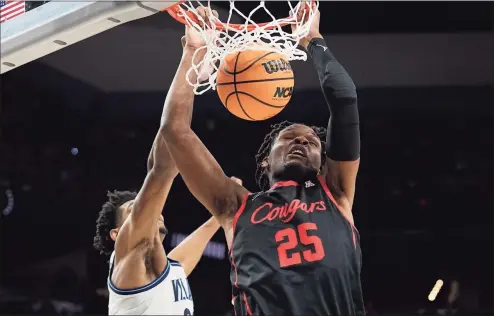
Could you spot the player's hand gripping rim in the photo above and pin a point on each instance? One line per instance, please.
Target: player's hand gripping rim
(193, 38)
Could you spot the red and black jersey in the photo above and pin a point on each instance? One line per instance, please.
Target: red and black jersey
(295, 253)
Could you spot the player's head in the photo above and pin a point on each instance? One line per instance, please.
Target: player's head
(290, 148)
(112, 216)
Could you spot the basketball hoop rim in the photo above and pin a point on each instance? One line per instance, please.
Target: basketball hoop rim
(175, 9)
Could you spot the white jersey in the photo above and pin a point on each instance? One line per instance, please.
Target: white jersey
(169, 294)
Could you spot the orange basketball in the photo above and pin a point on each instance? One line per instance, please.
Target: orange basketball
(255, 85)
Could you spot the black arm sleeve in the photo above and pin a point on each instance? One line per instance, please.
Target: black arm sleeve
(343, 136)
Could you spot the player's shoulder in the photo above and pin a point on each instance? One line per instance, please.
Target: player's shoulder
(129, 270)
(174, 263)
(260, 196)
(175, 266)
(176, 269)
(257, 195)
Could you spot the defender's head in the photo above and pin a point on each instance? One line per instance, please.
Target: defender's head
(111, 218)
(290, 150)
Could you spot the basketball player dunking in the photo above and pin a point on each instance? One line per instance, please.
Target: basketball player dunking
(294, 248)
(130, 229)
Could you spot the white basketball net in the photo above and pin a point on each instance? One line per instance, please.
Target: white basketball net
(267, 37)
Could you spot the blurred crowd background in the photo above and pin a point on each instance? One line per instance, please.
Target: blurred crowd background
(423, 207)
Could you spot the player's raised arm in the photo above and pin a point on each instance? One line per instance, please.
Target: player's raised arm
(148, 205)
(200, 171)
(343, 133)
(145, 210)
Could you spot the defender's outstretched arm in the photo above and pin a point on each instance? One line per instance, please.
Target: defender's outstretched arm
(200, 171)
(140, 228)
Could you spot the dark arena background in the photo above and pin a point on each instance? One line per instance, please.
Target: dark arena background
(81, 121)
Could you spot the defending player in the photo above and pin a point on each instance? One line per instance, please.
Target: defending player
(294, 249)
(143, 280)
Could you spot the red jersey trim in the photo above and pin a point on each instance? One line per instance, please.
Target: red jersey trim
(239, 212)
(284, 184)
(233, 304)
(234, 225)
(350, 220)
(247, 306)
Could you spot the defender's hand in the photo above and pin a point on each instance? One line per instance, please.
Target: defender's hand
(193, 38)
(314, 27)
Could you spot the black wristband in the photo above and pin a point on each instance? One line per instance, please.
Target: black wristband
(316, 44)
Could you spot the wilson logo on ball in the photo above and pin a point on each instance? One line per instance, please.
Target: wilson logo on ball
(273, 66)
(282, 92)
(248, 79)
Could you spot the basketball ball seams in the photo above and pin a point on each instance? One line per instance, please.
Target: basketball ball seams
(226, 106)
(227, 71)
(252, 63)
(228, 97)
(254, 81)
(247, 68)
(235, 86)
(262, 88)
(260, 101)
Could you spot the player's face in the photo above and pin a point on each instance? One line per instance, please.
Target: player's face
(296, 145)
(127, 208)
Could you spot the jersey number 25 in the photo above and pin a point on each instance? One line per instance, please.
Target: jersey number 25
(288, 240)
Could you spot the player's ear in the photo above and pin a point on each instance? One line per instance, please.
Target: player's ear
(114, 233)
(265, 163)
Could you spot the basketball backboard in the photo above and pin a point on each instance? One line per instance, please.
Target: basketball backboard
(56, 25)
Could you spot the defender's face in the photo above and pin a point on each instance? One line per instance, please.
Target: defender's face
(126, 208)
(295, 145)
